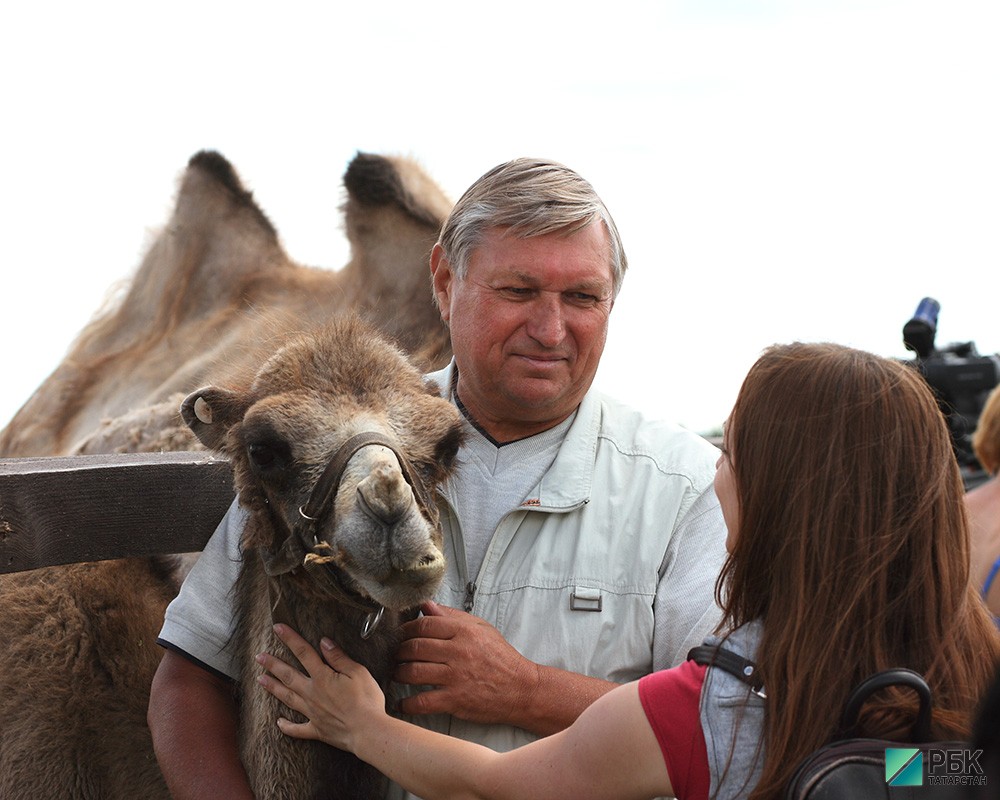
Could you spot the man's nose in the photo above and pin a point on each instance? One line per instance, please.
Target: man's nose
(547, 324)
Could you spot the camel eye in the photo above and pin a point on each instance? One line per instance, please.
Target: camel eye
(428, 472)
(267, 455)
(447, 447)
(261, 455)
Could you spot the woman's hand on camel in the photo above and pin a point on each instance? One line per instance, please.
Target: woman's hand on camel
(335, 695)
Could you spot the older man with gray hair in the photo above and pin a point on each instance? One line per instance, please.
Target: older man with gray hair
(583, 540)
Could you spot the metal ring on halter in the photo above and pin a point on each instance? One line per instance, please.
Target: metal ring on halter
(372, 621)
(305, 516)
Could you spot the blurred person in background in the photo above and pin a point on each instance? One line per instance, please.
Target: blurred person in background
(983, 504)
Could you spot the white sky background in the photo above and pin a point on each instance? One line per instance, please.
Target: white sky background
(778, 170)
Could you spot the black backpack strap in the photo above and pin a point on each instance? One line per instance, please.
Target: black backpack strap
(742, 669)
(880, 680)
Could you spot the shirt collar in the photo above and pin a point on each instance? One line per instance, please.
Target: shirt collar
(568, 483)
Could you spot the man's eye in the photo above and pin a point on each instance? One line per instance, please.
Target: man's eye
(516, 291)
(583, 299)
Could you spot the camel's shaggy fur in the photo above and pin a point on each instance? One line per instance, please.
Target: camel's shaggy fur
(280, 434)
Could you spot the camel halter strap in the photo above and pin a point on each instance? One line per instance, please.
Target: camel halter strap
(302, 547)
(328, 483)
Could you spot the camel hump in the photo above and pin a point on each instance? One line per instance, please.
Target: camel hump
(215, 283)
(392, 193)
(393, 214)
(374, 180)
(216, 240)
(213, 167)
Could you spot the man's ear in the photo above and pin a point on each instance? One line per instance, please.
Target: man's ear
(442, 279)
(210, 413)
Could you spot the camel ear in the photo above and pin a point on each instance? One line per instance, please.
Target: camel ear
(210, 412)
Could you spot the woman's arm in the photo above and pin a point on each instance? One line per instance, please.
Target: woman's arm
(609, 752)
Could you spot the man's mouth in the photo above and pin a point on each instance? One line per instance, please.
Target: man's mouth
(543, 361)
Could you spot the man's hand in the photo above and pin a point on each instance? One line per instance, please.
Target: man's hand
(478, 676)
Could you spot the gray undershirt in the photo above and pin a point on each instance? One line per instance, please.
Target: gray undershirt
(493, 480)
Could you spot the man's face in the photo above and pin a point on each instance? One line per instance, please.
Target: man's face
(528, 325)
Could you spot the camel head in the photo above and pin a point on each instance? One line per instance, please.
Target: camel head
(337, 446)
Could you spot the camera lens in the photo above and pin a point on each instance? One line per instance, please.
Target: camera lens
(918, 333)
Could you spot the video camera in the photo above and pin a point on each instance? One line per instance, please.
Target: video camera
(961, 379)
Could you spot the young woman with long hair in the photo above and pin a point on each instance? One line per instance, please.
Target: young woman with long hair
(848, 554)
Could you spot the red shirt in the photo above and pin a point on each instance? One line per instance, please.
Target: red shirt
(670, 699)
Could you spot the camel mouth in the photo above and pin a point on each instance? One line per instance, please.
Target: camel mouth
(428, 568)
(399, 589)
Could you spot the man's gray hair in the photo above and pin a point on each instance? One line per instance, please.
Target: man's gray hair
(531, 197)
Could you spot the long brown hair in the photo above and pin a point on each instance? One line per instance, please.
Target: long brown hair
(852, 549)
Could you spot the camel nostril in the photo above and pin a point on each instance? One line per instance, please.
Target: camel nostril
(386, 509)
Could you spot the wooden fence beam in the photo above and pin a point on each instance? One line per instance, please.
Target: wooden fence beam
(91, 508)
